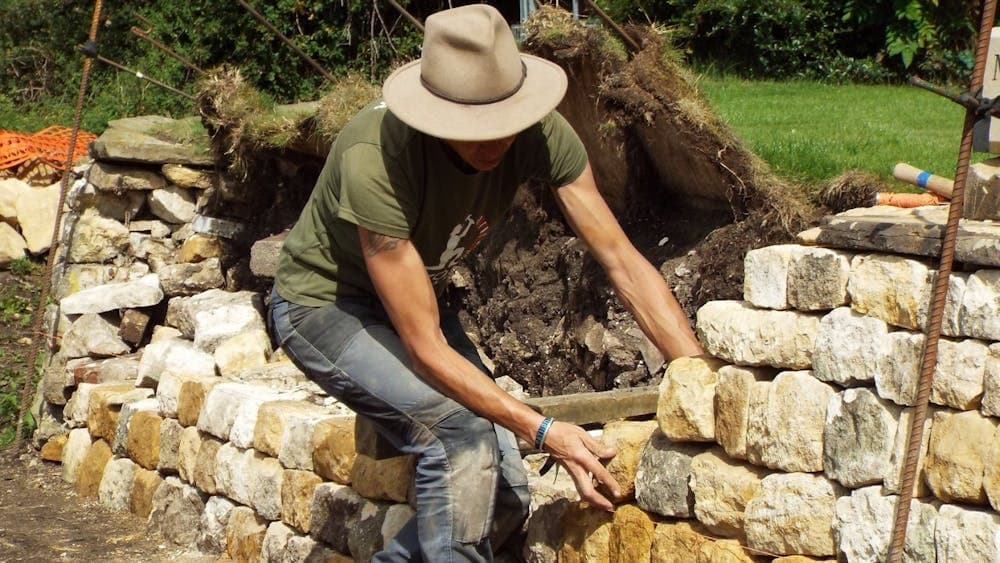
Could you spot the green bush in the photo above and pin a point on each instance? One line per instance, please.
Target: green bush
(40, 69)
(857, 40)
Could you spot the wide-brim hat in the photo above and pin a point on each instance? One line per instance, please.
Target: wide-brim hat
(472, 83)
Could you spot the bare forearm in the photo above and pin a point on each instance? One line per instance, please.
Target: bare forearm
(644, 292)
(456, 377)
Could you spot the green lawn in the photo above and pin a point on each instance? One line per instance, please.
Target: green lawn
(812, 132)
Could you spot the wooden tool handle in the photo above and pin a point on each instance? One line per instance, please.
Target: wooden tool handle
(930, 182)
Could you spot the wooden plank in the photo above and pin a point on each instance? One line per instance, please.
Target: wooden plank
(603, 406)
(579, 408)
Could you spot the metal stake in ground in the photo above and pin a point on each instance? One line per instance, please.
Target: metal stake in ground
(933, 331)
(29, 378)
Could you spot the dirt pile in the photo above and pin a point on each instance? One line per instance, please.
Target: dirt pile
(691, 198)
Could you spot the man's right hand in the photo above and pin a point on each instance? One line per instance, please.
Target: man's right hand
(581, 455)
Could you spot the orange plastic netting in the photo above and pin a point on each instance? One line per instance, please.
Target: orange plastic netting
(48, 146)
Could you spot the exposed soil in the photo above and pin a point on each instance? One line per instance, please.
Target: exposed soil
(43, 519)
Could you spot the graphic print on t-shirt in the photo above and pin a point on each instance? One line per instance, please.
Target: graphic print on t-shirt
(464, 238)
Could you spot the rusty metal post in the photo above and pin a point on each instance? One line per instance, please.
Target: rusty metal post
(940, 293)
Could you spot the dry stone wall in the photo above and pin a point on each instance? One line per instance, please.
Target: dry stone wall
(167, 399)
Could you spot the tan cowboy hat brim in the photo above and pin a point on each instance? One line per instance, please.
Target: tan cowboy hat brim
(543, 88)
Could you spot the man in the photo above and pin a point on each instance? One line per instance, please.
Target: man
(410, 186)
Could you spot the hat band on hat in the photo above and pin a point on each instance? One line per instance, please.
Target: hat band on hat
(477, 101)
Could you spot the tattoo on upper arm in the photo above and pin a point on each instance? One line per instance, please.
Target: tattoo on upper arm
(373, 243)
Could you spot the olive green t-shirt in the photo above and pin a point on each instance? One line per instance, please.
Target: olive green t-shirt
(394, 180)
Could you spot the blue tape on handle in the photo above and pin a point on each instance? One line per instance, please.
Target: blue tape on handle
(923, 178)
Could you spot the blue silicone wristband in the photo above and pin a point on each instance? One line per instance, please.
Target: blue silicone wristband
(543, 429)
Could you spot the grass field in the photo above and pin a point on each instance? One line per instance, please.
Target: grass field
(812, 132)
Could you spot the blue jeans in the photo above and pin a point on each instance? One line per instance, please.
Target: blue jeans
(471, 486)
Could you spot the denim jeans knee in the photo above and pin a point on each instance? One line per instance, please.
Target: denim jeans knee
(350, 349)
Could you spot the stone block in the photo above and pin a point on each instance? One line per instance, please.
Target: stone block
(661, 481)
(991, 474)
(732, 406)
(199, 247)
(245, 421)
(723, 550)
(264, 255)
(956, 456)
(396, 517)
(979, 314)
(959, 376)
(739, 334)
(144, 439)
(685, 408)
(982, 192)
(677, 542)
(892, 288)
(205, 465)
(629, 438)
(176, 356)
(787, 418)
(550, 497)
(115, 490)
(187, 453)
(168, 390)
(284, 430)
(631, 535)
(850, 348)
(170, 443)
(104, 408)
(214, 521)
(120, 444)
(143, 292)
(144, 486)
(134, 327)
(967, 534)
(76, 448)
(297, 488)
(92, 469)
(587, 535)
(863, 523)
(383, 479)
(817, 279)
(93, 336)
(176, 506)
(275, 546)
(793, 514)
(187, 177)
(78, 406)
(52, 450)
(364, 534)
(722, 488)
(334, 507)
(859, 437)
(991, 382)
(765, 275)
(245, 533)
(264, 477)
(243, 351)
(223, 404)
(893, 482)
(192, 397)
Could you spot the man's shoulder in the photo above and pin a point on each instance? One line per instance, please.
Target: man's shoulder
(376, 125)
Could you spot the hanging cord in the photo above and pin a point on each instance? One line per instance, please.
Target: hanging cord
(28, 391)
(933, 330)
